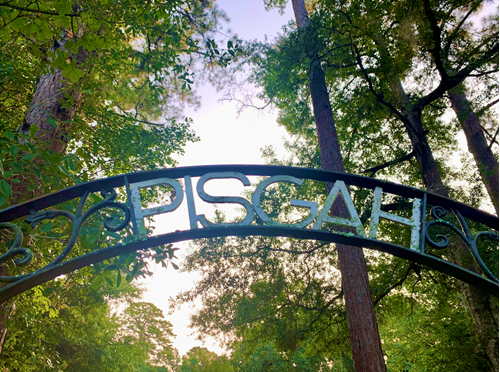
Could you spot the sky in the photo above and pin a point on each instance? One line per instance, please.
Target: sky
(227, 137)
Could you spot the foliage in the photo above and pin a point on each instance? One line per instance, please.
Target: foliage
(367, 49)
(127, 69)
(146, 329)
(70, 325)
(138, 68)
(199, 359)
(276, 302)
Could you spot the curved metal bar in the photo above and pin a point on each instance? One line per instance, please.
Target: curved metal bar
(49, 273)
(77, 220)
(109, 196)
(69, 193)
(477, 257)
(16, 249)
(465, 234)
(443, 240)
(439, 213)
(38, 217)
(472, 245)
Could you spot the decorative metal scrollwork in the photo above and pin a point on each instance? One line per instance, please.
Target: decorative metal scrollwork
(15, 249)
(464, 233)
(77, 220)
(83, 222)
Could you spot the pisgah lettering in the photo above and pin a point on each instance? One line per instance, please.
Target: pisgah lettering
(253, 208)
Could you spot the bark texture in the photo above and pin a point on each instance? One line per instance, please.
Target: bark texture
(47, 103)
(50, 101)
(482, 306)
(363, 330)
(478, 146)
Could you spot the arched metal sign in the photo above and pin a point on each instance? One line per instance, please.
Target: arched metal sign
(425, 212)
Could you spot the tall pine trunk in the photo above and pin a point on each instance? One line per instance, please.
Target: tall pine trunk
(478, 146)
(363, 331)
(48, 102)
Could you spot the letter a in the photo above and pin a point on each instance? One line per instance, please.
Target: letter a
(323, 216)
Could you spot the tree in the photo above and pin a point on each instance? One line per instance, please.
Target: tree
(366, 48)
(280, 301)
(476, 140)
(363, 331)
(145, 327)
(83, 85)
(70, 325)
(200, 359)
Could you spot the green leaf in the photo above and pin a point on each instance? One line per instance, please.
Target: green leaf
(97, 283)
(63, 7)
(17, 167)
(174, 265)
(46, 227)
(3, 199)
(31, 187)
(119, 279)
(52, 122)
(73, 74)
(110, 282)
(64, 170)
(71, 165)
(10, 135)
(28, 156)
(5, 188)
(33, 130)
(112, 267)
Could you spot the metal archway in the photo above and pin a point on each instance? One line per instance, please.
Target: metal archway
(428, 210)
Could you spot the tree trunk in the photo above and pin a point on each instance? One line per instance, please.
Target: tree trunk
(478, 147)
(481, 305)
(47, 103)
(363, 331)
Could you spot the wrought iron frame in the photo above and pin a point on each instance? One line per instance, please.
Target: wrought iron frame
(35, 212)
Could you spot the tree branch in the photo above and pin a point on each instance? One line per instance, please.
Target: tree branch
(494, 139)
(411, 266)
(489, 105)
(448, 82)
(379, 96)
(48, 12)
(389, 163)
(457, 28)
(139, 121)
(436, 38)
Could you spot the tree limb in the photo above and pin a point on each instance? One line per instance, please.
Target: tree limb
(389, 163)
(457, 28)
(436, 38)
(489, 105)
(48, 12)
(452, 81)
(411, 266)
(372, 89)
(494, 139)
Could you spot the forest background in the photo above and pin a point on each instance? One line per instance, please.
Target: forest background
(108, 86)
